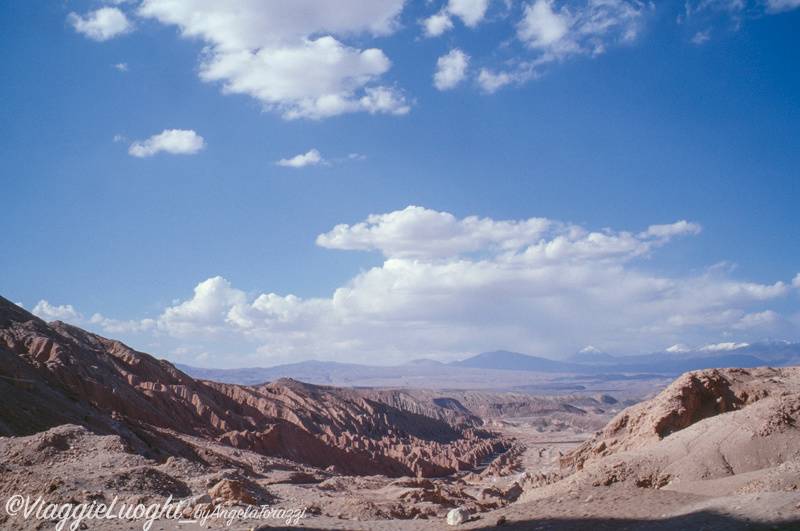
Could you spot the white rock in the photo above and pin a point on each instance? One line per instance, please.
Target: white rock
(457, 516)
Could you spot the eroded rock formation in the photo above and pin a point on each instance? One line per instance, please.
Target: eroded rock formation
(730, 428)
(53, 374)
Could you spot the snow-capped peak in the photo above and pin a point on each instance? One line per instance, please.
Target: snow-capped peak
(679, 348)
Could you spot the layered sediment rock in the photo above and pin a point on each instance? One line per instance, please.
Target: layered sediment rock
(111, 389)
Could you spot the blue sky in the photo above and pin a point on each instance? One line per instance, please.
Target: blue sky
(253, 183)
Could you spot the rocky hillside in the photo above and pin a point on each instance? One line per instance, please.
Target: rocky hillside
(53, 374)
(730, 430)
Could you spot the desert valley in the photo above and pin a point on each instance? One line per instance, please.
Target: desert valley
(695, 440)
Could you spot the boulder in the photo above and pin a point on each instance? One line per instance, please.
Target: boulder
(231, 490)
(457, 516)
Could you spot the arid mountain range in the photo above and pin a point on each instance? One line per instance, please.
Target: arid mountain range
(87, 420)
(590, 363)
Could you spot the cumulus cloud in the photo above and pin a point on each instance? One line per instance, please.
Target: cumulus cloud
(174, 141)
(417, 232)
(212, 308)
(48, 312)
(765, 320)
(451, 69)
(311, 157)
(469, 11)
(437, 24)
(288, 56)
(543, 28)
(240, 24)
(451, 287)
(101, 25)
(313, 60)
(114, 326)
(68, 314)
(491, 81)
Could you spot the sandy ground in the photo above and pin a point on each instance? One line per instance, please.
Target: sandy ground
(589, 509)
(347, 503)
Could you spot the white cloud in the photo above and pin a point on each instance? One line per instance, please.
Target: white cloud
(114, 326)
(214, 306)
(674, 229)
(312, 79)
(251, 24)
(311, 157)
(732, 13)
(779, 6)
(313, 60)
(702, 37)
(451, 287)
(287, 56)
(722, 347)
(437, 24)
(383, 100)
(48, 312)
(417, 232)
(543, 28)
(101, 25)
(451, 69)
(174, 141)
(491, 82)
(68, 314)
(584, 29)
(469, 11)
(765, 320)
(553, 32)
(122, 67)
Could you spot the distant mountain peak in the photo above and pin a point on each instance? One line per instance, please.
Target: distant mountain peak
(592, 355)
(678, 349)
(769, 342)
